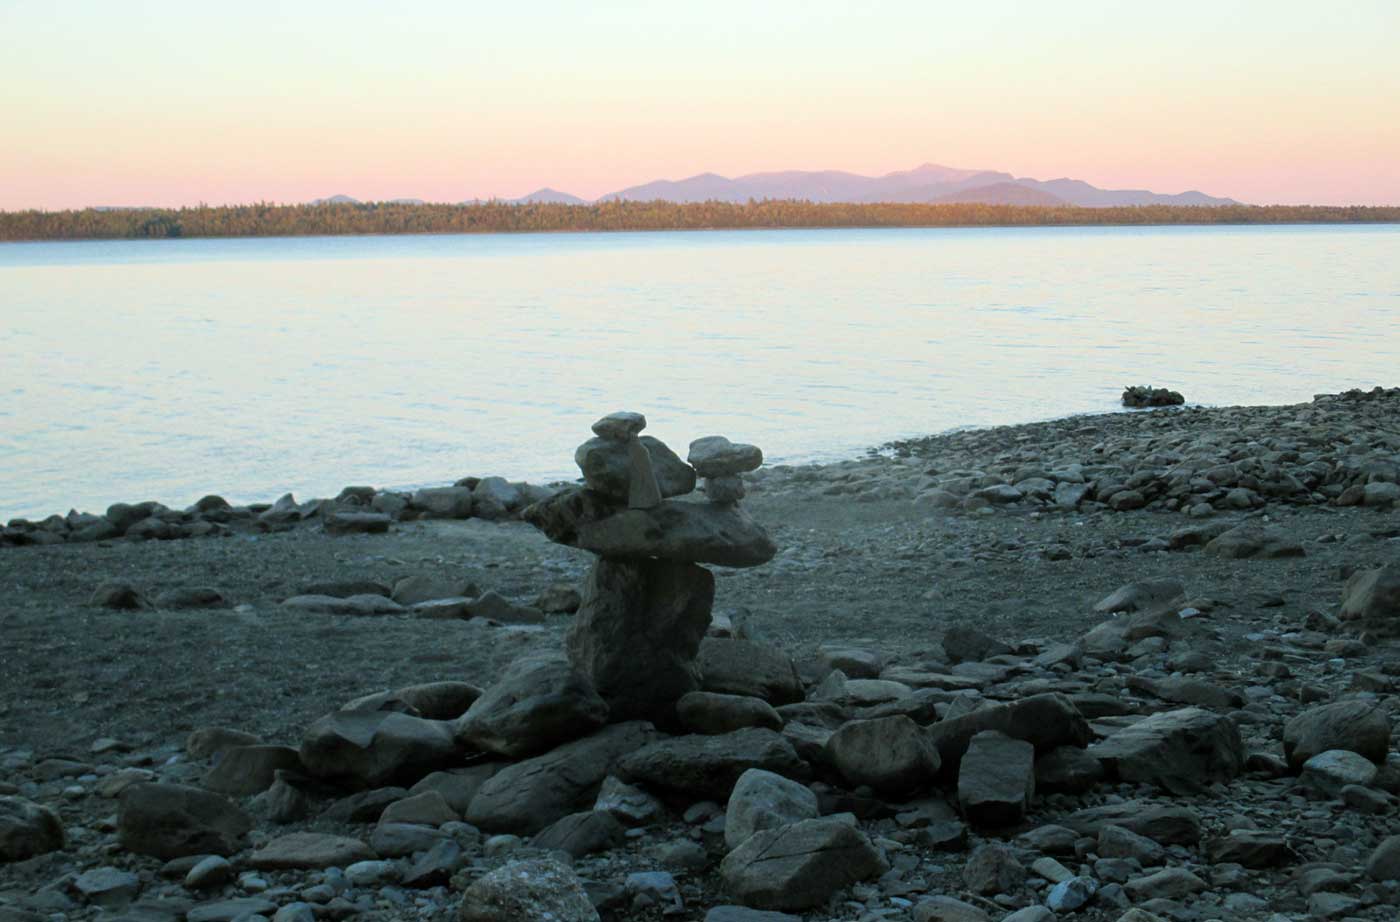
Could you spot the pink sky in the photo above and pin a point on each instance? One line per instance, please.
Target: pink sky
(153, 103)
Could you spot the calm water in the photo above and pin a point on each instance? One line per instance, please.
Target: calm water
(165, 370)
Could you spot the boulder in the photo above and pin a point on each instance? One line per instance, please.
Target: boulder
(309, 850)
(1251, 848)
(744, 667)
(1250, 541)
(492, 606)
(1183, 751)
(526, 797)
(607, 467)
(1328, 772)
(458, 785)
(111, 888)
(629, 805)
(708, 712)
(893, 755)
(426, 587)
(992, 869)
(800, 866)
(537, 890)
(638, 631)
(430, 700)
(1141, 396)
(1371, 601)
(27, 829)
(494, 498)
(763, 800)
(709, 766)
(1067, 770)
(171, 821)
(1360, 725)
(672, 530)
(581, 834)
(1144, 595)
(356, 523)
(996, 779)
(207, 742)
(426, 808)
(369, 749)
(1168, 825)
(1045, 721)
(965, 644)
(245, 770)
(540, 702)
(444, 502)
(1384, 863)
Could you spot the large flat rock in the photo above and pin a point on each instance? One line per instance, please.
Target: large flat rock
(672, 530)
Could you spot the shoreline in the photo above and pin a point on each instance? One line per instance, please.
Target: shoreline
(1146, 225)
(408, 503)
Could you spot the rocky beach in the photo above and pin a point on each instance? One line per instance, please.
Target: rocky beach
(1130, 667)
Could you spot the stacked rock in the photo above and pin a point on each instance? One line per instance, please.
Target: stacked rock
(647, 601)
(720, 462)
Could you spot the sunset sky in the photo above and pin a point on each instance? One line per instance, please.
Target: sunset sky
(172, 103)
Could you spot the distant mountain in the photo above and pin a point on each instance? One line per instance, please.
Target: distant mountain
(403, 201)
(548, 196)
(928, 183)
(1001, 193)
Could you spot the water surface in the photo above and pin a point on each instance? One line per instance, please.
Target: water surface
(169, 369)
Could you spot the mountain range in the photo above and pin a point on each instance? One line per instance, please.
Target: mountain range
(929, 183)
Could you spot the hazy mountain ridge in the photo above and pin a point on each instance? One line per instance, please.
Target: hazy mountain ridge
(926, 184)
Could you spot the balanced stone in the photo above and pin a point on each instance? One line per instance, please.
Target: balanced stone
(716, 456)
(672, 530)
(620, 426)
(607, 467)
(643, 492)
(724, 489)
(638, 631)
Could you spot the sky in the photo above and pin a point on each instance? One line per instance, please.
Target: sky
(149, 102)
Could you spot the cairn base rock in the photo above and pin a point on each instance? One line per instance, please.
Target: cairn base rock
(638, 631)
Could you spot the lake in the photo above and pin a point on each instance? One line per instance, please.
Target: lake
(169, 369)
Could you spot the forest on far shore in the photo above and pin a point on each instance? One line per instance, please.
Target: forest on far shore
(270, 220)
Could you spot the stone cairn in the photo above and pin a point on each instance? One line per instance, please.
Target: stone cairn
(647, 601)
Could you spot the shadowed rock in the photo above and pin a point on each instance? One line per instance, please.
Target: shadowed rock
(637, 632)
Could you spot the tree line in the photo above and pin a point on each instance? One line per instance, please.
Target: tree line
(271, 220)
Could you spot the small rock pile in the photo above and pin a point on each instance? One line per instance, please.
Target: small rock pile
(356, 510)
(1338, 450)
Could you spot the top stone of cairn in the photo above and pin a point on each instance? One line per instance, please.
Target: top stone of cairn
(716, 456)
(621, 426)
